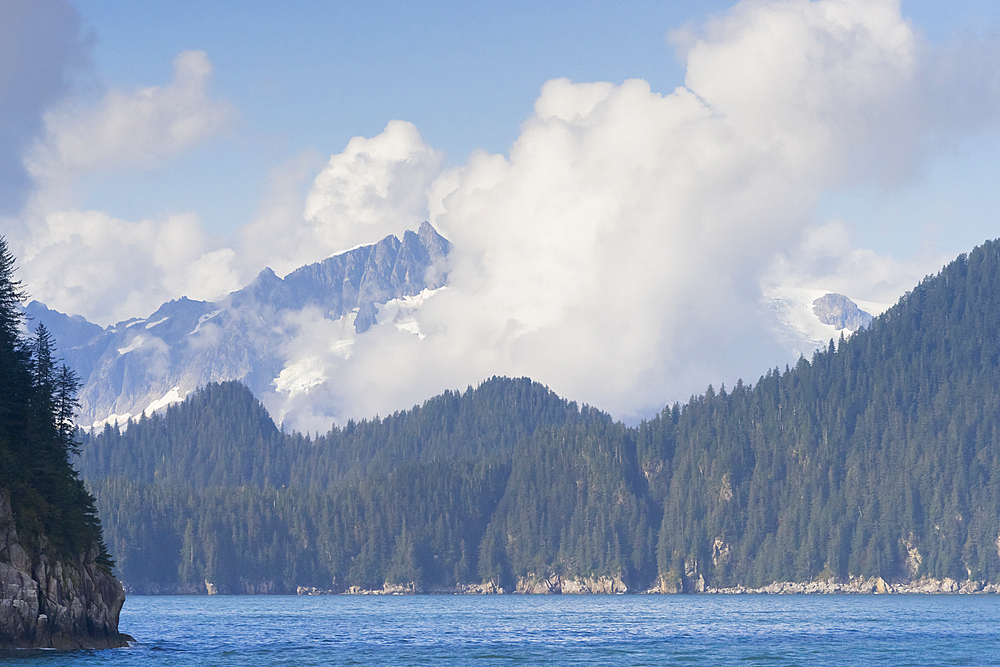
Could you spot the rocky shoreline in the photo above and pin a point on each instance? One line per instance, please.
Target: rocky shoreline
(614, 586)
(50, 603)
(863, 586)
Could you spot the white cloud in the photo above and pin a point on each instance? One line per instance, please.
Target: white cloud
(619, 253)
(132, 129)
(828, 259)
(110, 269)
(373, 188)
(100, 266)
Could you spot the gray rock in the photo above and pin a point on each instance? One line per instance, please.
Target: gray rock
(841, 312)
(49, 603)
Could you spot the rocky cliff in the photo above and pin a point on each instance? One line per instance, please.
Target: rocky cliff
(54, 603)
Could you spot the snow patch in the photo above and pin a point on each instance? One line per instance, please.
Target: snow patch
(409, 325)
(134, 345)
(203, 319)
(121, 420)
(172, 396)
(153, 324)
(401, 311)
(300, 377)
(801, 329)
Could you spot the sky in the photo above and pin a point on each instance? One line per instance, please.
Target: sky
(625, 183)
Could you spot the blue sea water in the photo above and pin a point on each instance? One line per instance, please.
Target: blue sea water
(551, 630)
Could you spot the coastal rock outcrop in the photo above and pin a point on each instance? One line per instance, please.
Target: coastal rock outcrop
(54, 603)
(555, 584)
(855, 585)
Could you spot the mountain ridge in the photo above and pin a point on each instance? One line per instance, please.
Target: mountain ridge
(142, 364)
(878, 459)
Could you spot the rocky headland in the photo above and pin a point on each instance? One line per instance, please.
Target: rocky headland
(47, 602)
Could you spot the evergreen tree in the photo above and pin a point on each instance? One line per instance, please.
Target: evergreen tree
(52, 508)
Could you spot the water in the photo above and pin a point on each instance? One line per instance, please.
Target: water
(552, 630)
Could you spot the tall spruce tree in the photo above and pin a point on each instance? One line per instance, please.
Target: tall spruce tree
(52, 508)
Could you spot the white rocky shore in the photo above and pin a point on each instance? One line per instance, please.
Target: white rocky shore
(532, 585)
(861, 585)
(614, 586)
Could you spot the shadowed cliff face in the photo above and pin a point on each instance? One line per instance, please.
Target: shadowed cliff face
(51, 603)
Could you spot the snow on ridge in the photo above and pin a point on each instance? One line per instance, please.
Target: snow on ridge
(300, 377)
(121, 420)
(172, 396)
(797, 322)
(203, 319)
(134, 345)
(153, 324)
(401, 311)
(409, 325)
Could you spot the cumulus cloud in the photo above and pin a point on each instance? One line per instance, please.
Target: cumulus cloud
(40, 45)
(77, 261)
(622, 253)
(91, 263)
(373, 188)
(134, 129)
(617, 254)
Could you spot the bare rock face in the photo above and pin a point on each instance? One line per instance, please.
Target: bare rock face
(841, 312)
(185, 344)
(553, 584)
(49, 603)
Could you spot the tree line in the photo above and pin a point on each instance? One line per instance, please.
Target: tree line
(52, 510)
(879, 456)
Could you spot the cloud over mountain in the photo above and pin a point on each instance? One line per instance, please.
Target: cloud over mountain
(622, 252)
(618, 253)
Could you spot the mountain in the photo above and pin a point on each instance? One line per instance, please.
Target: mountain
(878, 459)
(144, 364)
(808, 319)
(264, 335)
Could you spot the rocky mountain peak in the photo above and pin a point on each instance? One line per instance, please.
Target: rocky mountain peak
(840, 312)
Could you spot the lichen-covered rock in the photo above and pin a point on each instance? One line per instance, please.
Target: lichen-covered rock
(50, 603)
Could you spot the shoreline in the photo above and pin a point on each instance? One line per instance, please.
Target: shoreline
(607, 586)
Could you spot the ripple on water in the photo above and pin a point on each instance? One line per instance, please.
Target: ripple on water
(558, 630)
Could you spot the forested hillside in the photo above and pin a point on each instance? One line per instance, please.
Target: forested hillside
(37, 399)
(880, 456)
(56, 588)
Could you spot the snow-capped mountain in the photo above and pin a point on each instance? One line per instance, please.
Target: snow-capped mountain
(144, 364)
(285, 337)
(807, 319)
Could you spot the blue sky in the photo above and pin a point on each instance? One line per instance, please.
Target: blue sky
(636, 192)
(309, 76)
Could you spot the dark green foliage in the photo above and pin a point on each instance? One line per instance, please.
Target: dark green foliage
(890, 439)
(882, 447)
(52, 509)
(401, 499)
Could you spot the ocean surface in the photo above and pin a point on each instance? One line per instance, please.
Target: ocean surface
(550, 630)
